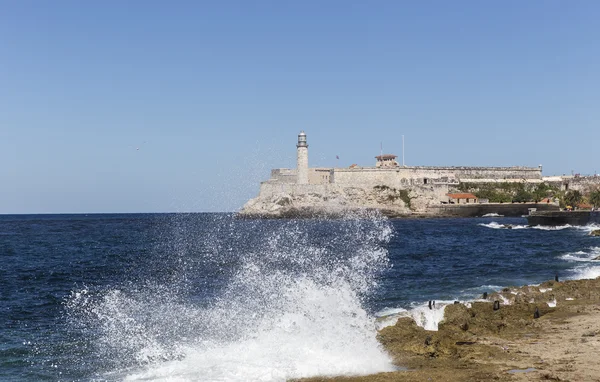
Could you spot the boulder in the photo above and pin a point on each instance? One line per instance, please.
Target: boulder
(595, 232)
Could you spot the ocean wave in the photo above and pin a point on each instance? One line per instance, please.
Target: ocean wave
(293, 309)
(582, 256)
(496, 225)
(424, 316)
(588, 228)
(585, 272)
(552, 228)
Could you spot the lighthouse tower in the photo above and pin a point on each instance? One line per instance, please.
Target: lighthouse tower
(302, 148)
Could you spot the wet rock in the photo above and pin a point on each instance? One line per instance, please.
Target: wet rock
(595, 232)
(427, 340)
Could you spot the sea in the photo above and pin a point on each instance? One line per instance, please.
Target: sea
(212, 297)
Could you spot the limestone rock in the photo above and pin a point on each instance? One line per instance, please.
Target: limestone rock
(327, 201)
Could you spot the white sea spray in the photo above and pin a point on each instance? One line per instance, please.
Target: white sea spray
(292, 309)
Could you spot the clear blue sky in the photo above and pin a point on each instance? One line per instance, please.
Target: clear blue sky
(219, 90)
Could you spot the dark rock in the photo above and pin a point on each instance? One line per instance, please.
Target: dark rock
(428, 340)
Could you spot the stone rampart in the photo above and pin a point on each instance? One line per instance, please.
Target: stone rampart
(283, 175)
(583, 183)
(406, 177)
(320, 175)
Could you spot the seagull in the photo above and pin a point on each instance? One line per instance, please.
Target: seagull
(138, 147)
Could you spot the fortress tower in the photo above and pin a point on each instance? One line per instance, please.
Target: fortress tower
(302, 148)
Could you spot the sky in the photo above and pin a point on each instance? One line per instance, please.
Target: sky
(184, 106)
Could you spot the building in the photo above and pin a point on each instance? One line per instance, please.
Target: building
(386, 160)
(435, 182)
(302, 159)
(461, 198)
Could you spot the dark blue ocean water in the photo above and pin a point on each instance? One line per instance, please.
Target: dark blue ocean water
(182, 296)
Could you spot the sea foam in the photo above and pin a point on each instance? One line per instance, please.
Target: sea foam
(292, 309)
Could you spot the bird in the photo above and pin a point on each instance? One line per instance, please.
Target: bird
(137, 148)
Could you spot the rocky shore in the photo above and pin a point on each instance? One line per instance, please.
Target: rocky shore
(335, 201)
(549, 332)
(331, 202)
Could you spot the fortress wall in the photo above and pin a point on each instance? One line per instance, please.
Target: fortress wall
(283, 175)
(319, 175)
(499, 172)
(500, 180)
(368, 177)
(583, 183)
(404, 177)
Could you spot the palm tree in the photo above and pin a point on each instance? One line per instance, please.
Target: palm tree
(595, 198)
(573, 198)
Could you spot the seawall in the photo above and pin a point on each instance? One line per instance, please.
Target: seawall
(474, 210)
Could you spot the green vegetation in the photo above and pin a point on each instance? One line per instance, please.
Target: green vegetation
(405, 198)
(506, 192)
(523, 196)
(494, 196)
(572, 198)
(543, 190)
(594, 198)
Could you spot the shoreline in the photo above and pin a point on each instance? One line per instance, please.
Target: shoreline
(437, 211)
(474, 342)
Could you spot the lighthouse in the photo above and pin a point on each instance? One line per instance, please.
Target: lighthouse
(302, 149)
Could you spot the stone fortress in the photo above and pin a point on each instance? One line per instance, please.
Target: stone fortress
(395, 189)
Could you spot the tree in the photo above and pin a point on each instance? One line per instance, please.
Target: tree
(541, 191)
(573, 198)
(595, 198)
(522, 196)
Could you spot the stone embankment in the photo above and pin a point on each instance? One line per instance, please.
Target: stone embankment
(549, 332)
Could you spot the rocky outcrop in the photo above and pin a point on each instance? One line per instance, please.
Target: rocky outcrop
(329, 201)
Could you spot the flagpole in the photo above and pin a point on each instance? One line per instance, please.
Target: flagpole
(403, 151)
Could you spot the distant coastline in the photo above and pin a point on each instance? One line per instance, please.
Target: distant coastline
(401, 191)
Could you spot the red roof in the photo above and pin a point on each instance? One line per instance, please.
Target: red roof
(462, 196)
